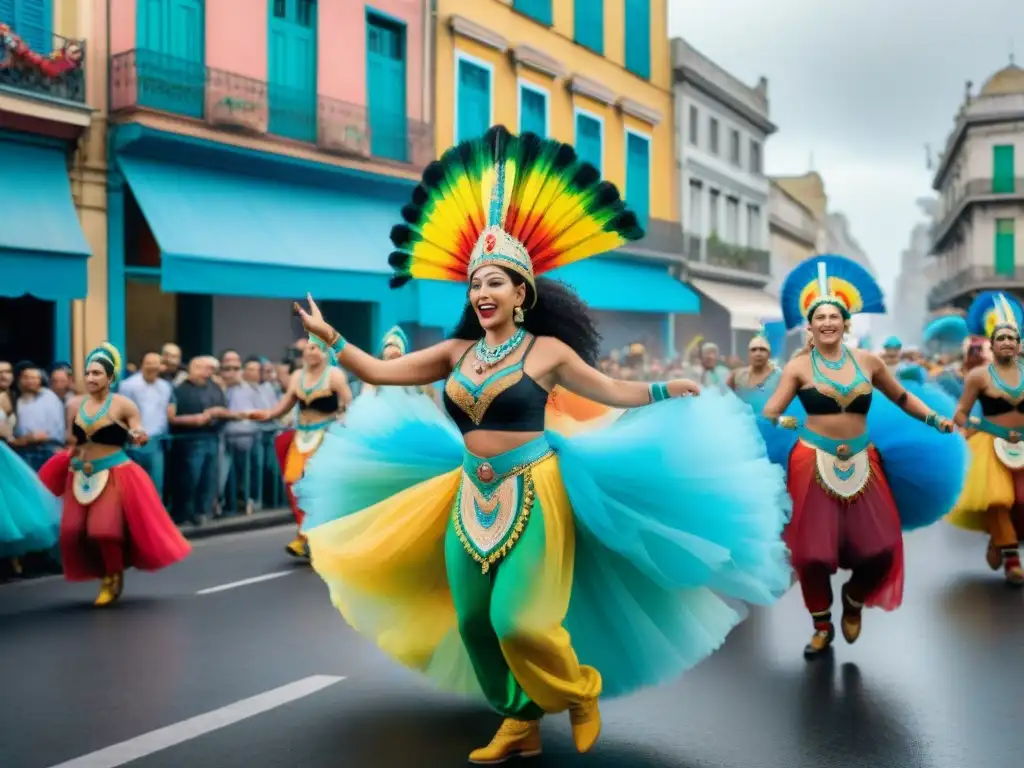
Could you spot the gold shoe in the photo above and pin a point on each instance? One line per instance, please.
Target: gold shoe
(515, 738)
(852, 618)
(108, 593)
(298, 547)
(586, 724)
(821, 641)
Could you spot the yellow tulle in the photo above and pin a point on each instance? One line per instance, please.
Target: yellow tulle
(989, 484)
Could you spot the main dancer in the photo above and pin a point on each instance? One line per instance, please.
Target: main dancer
(458, 546)
(322, 393)
(113, 518)
(994, 492)
(847, 506)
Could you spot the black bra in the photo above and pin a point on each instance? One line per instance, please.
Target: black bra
(997, 406)
(321, 402)
(817, 403)
(109, 434)
(506, 401)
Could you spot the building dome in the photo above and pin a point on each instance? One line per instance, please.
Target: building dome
(1008, 80)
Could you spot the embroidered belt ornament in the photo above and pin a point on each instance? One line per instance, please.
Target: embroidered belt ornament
(843, 475)
(491, 514)
(307, 441)
(87, 488)
(1011, 455)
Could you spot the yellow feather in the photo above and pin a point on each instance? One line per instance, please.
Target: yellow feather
(602, 243)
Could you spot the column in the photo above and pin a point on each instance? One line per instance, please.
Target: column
(116, 289)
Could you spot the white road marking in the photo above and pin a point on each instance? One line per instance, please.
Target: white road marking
(245, 582)
(186, 730)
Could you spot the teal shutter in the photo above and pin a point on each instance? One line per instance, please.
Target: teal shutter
(588, 139)
(588, 24)
(638, 176)
(292, 63)
(536, 9)
(474, 101)
(170, 56)
(385, 88)
(32, 21)
(534, 106)
(638, 37)
(1003, 170)
(1005, 247)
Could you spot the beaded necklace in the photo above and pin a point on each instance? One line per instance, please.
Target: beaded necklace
(90, 421)
(488, 356)
(843, 389)
(1014, 393)
(307, 391)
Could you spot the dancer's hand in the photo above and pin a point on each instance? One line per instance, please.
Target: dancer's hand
(682, 387)
(138, 437)
(258, 415)
(313, 321)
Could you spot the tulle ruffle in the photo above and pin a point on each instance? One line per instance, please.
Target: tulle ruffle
(29, 513)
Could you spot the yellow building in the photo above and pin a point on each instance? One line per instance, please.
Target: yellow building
(596, 74)
(51, 150)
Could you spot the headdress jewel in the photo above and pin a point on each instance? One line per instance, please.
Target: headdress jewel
(829, 279)
(993, 310)
(520, 202)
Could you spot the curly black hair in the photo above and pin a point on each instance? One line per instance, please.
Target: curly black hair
(559, 312)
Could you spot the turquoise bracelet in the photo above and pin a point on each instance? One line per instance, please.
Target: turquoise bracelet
(658, 391)
(932, 420)
(339, 344)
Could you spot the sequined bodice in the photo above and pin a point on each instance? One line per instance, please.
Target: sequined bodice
(1010, 399)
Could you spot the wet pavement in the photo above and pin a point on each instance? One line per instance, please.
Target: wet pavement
(934, 685)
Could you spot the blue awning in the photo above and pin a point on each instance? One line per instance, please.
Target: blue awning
(621, 285)
(232, 234)
(43, 251)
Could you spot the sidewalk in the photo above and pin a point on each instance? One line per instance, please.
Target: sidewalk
(267, 518)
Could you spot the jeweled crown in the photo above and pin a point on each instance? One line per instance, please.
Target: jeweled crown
(497, 247)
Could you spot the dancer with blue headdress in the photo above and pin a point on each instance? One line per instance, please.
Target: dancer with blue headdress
(849, 507)
(499, 557)
(321, 391)
(113, 518)
(993, 495)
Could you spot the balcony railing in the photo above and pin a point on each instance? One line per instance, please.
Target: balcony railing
(35, 60)
(142, 79)
(973, 279)
(974, 191)
(716, 253)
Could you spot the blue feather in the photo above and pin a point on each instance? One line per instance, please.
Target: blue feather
(950, 329)
(985, 302)
(840, 267)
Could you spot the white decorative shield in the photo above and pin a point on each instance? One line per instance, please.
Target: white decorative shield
(88, 489)
(845, 478)
(306, 442)
(1010, 454)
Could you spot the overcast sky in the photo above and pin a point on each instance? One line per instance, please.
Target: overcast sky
(863, 86)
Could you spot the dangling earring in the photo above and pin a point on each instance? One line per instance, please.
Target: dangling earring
(518, 317)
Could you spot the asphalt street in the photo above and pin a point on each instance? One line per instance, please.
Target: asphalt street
(208, 664)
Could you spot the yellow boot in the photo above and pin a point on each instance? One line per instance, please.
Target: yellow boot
(586, 724)
(298, 547)
(110, 589)
(515, 738)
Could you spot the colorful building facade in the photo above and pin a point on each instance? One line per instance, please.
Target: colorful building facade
(52, 193)
(595, 74)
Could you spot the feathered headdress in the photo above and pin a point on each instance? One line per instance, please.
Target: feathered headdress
(893, 342)
(946, 331)
(520, 202)
(395, 338)
(993, 310)
(829, 279)
(106, 351)
(761, 335)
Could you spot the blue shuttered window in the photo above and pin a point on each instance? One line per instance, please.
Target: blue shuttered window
(536, 9)
(638, 176)
(32, 21)
(292, 60)
(638, 37)
(473, 100)
(170, 57)
(533, 111)
(588, 24)
(589, 142)
(385, 88)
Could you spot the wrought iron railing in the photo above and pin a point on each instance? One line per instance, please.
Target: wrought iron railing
(717, 253)
(141, 79)
(59, 72)
(975, 278)
(980, 190)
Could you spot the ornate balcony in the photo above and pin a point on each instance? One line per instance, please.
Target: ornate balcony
(711, 257)
(145, 80)
(974, 191)
(961, 287)
(35, 61)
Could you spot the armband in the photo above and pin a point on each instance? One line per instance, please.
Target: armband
(658, 391)
(902, 399)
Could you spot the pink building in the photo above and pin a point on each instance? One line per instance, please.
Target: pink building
(260, 149)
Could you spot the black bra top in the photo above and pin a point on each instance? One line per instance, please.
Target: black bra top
(321, 402)
(109, 434)
(817, 403)
(997, 406)
(506, 401)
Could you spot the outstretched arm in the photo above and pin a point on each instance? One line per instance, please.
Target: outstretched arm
(423, 367)
(888, 385)
(789, 383)
(576, 376)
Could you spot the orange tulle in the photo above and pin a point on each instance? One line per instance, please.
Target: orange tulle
(128, 514)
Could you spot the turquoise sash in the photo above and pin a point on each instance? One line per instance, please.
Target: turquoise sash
(841, 449)
(89, 468)
(984, 425)
(488, 474)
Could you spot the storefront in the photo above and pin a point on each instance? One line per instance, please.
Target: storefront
(210, 243)
(733, 313)
(43, 251)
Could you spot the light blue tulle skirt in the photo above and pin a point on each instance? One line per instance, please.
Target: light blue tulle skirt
(29, 514)
(778, 442)
(678, 520)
